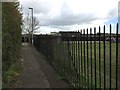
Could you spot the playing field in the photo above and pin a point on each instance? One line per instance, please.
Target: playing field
(95, 63)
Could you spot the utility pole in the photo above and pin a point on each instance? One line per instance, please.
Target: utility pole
(32, 23)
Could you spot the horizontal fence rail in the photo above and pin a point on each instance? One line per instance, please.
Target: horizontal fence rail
(86, 58)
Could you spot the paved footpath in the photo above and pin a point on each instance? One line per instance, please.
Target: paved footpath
(37, 72)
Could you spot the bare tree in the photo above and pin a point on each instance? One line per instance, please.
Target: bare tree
(27, 25)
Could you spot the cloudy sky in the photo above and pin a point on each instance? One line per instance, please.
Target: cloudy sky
(64, 15)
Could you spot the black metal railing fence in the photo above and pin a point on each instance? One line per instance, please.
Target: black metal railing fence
(87, 59)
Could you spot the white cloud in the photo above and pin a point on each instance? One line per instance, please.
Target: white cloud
(57, 15)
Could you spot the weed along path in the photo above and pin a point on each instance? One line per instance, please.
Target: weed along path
(37, 73)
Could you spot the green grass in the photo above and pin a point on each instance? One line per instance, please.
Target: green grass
(75, 65)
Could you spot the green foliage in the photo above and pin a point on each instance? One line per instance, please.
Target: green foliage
(11, 75)
(11, 37)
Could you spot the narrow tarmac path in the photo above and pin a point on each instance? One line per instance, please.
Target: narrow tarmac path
(37, 72)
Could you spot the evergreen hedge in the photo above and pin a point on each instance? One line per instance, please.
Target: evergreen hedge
(11, 40)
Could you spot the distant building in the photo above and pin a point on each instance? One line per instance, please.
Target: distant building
(112, 39)
(69, 33)
(74, 35)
